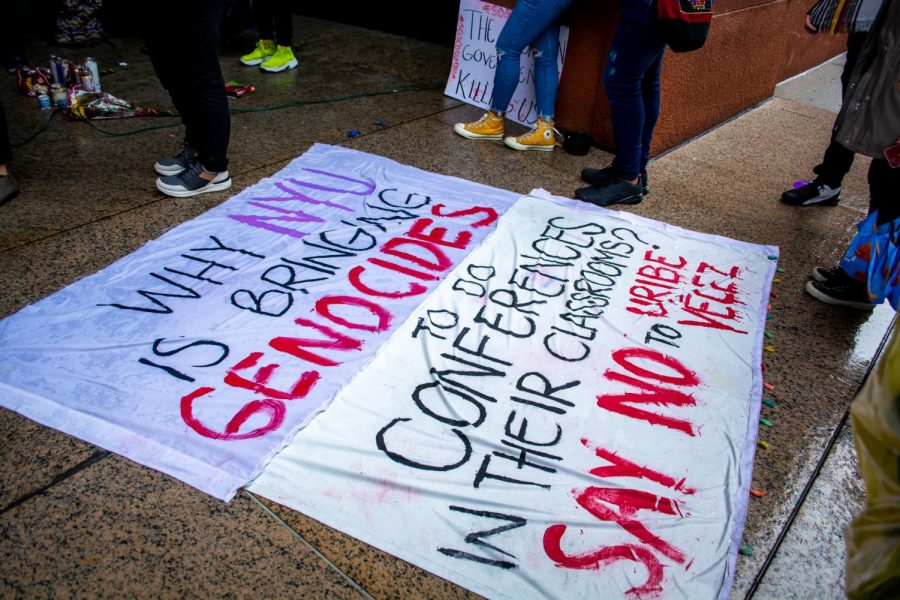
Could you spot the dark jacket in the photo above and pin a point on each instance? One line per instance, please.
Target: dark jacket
(869, 121)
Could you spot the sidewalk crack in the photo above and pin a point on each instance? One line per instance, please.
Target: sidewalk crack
(95, 457)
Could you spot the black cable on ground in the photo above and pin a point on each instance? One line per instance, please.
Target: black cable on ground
(237, 111)
(130, 131)
(96, 456)
(45, 127)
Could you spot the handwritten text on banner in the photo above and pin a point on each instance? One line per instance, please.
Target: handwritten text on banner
(571, 414)
(201, 353)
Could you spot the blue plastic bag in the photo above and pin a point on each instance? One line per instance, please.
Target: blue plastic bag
(874, 257)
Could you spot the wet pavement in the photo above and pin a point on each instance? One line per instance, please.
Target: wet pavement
(78, 521)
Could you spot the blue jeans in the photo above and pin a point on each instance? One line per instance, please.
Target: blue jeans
(631, 80)
(534, 23)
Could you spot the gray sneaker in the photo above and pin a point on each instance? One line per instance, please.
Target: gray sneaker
(812, 193)
(189, 183)
(178, 163)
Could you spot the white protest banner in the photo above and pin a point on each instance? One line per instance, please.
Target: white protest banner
(572, 414)
(474, 62)
(201, 353)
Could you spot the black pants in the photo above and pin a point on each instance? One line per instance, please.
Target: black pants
(183, 42)
(884, 185)
(274, 21)
(11, 40)
(5, 150)
(837, 160)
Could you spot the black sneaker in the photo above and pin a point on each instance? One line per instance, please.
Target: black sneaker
(9, 189)
(830, 274)
(617, 192)
(178, 163)
(850, 293)
(189, 183)
(812, 193)
(601, 177)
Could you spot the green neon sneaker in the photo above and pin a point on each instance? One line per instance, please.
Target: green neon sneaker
(282, 60)
(264, 49)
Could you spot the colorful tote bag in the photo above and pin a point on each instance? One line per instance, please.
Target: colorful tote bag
(874, 257)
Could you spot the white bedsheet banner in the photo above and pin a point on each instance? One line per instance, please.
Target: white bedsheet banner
(572, 414)
(201, 353)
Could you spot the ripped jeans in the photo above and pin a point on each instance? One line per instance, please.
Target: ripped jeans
(534, 23)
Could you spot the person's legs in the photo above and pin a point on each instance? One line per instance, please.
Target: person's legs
(545, 48)
(631, 79)
(166, 58)
(5, 149)
(846, 284)
(283, 57)
(12, 45)
(650, 99)
(186, 58)
(211, 127)
(264, 14)
(837, 160)
(284, 22)
(8, 185)
(530, 21)
(167, 40)
(884, 183)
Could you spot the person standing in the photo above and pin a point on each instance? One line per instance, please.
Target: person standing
(12, 44)
(631, 80)
(183, 42)
(274, 24)
(535, 23)
(821, 18)
(869, 124)
(8, 185)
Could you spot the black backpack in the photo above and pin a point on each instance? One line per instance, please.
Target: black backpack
(684, 24)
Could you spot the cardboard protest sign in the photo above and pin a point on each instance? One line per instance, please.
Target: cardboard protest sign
(471, 76)
(201, 353)
(571, 414)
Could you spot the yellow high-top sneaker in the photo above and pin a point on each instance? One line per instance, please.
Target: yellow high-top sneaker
(542, 137)
(488, 127)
